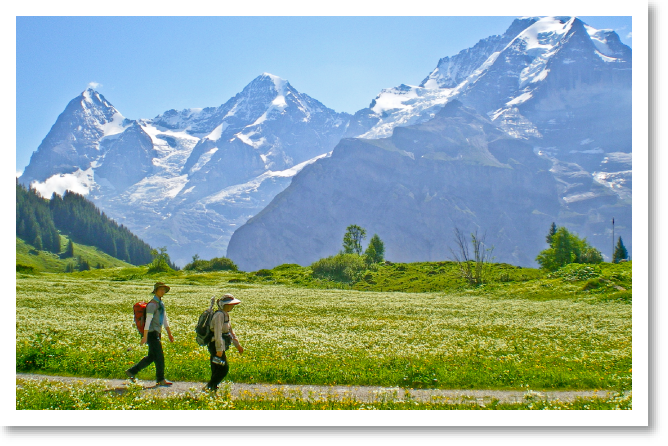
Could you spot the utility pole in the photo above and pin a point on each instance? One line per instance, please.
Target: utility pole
(613, 240)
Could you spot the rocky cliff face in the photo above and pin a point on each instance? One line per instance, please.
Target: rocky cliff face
(412, 189)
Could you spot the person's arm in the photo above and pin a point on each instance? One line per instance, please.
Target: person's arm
(236, 341)
(218, 332)
(169, 332)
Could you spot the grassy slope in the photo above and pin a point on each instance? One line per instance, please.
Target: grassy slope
(44, 261)
(608, 281)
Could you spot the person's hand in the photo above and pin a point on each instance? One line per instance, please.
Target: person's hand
(240, 348)
(219, 354)
(144, 339)
(171, 338)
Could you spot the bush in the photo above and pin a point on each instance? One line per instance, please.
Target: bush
(576, 272)
(215, 264)
(27, 269)
(347, 268)
(592, 284)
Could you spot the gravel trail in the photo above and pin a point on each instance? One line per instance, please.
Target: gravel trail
(360, 393)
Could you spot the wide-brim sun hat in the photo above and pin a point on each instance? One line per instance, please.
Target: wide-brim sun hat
(228, 299)
(160, 285)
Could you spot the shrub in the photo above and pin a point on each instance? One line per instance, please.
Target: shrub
(347, 268)
(215, 264)
(592, 284)
(20, 268)
(161, 262)
(576, 272)
(222, 264)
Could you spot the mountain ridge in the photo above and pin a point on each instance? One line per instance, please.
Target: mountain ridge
(188, 179)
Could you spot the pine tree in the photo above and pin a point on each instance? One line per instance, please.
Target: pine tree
(69, 252)
(620, 252)
(550, 235)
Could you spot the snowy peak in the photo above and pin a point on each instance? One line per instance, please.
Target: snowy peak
(451, 71)
(74, 140)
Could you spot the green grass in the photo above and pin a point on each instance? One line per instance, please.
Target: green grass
(525, 328)
(32, 395)
(612, 281)
(44, 261)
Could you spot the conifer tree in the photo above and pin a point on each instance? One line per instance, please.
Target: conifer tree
(69, 252)
(620, 252)
(550, 235)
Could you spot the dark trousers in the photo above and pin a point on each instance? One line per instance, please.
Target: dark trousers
(154, 355)
(218, 372)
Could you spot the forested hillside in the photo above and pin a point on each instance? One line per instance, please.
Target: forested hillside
(38, 221)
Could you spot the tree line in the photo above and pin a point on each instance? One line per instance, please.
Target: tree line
(38, 221)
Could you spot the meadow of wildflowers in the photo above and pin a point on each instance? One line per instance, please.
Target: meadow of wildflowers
(82, 326)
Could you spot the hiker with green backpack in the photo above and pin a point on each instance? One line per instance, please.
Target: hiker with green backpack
(220, 335)
(155, 318)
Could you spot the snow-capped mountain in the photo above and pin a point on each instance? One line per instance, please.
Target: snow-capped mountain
(74, 141)
(186, 179)
(412, 189)
(554, 83)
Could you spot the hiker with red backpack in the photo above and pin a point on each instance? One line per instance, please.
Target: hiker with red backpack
(223, 336)
(156, 318)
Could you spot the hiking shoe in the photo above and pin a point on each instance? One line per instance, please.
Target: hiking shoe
(163, 383)
(130, 376)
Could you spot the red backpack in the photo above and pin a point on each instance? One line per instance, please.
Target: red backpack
(140, 316)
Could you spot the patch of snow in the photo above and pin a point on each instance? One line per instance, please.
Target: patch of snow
(591, 151)
(409, 105)
(616, 181)
(157, 188)
(606, 58)
(599, 39)
(246, 139)
(205, 158)
(231, 192)
(217, 132)
(544, 34)
(580, 197)
(393, 98)
(520, 99)
(115, 126)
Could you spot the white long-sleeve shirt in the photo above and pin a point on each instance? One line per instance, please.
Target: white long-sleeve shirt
(220, 323)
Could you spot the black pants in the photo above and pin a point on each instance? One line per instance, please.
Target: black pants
(218, 372)
(155, 354)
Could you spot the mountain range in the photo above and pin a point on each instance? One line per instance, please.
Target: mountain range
(520, 130)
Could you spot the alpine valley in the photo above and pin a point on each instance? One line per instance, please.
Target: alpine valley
(519, 131)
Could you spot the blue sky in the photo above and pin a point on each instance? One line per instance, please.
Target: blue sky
(147, 65)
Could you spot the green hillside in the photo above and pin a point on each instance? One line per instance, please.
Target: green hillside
(43, 261)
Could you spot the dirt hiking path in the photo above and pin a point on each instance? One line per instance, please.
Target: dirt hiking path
(360, 393)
